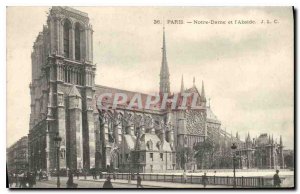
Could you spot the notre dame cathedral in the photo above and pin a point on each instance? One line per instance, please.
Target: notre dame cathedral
(63, 101)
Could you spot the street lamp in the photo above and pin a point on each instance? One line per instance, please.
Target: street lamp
(233, 147)
(57, 141)
(129, 172)
(39, 161)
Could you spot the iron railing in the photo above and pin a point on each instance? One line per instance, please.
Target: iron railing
(193, 179)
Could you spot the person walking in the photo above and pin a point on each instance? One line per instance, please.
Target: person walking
(23, 180)
(29, 179)
(107, 184)
(33, 178)
(139, 182)
(10, 179)
(114, 176)
(70, 182)
(17, 180)
(276, 179)
(204, 180)
(77, 174)
(40, 175)
(184, 177)
(100, 175)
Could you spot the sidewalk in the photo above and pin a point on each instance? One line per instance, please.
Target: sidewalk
(158, 184)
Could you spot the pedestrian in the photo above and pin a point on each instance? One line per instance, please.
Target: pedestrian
(23, 181)
(40, 175)
(114, 176)
(100, 175)
(184, 176)
(17, 180)
(129, 178)
(94, 174)
(10, 179)
(29, 179)
(139, 182)
(77, 174)
(33, 178)
(70, 182)
(276, 179)
(84, 173)
(107, 183)
(204, 180)
(35, 174)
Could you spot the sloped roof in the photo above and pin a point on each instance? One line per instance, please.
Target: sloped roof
(193, 89)
(129, 141)
(130, 94)
(74, 91)
(210, 114)
(155, 140)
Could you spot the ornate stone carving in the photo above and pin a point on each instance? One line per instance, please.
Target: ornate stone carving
(60, 99)
(150, 145)
(59, 12)
(195, 122)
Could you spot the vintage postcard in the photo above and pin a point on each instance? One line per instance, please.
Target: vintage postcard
(150, 97)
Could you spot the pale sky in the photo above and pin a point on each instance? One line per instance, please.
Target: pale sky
(247, 69)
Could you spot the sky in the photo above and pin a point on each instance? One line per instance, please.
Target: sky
(247, 69)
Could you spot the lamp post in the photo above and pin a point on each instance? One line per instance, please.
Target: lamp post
(40, 161)
(57, 141)
(233, 147)
(129, 173)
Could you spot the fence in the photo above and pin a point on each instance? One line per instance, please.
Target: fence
(194, 179)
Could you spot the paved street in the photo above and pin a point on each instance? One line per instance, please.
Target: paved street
(83, 184)
(89, 183)
(118, 183)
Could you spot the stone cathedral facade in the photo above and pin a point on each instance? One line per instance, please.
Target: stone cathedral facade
(64, 100)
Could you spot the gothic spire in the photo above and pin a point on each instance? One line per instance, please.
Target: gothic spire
(203, 92)
(194, 82)
(248, 137)
(164, 71)
(182, 85)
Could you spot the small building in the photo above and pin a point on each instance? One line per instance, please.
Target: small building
(17, 156)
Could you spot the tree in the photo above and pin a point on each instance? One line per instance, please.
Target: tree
(183, 155)
(289, 160)
(203, 150)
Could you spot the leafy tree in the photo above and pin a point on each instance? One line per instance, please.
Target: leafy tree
(203, 150)
(289, 160)
(183, 155)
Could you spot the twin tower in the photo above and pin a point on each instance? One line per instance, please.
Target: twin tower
(62, 92)
(62, 97)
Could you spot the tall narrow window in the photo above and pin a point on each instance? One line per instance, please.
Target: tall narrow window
(66, 74)
(151, 156)
(67, 26)
(77, 41)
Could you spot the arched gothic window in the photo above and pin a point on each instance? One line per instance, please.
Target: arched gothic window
(67, 26)
(77, 41)
(150, 145)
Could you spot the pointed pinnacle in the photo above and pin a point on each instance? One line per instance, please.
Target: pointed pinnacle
(194, 81)
(182, 85)
(203, 92)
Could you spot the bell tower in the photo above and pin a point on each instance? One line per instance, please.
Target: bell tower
(71, 64)
(63, 76)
